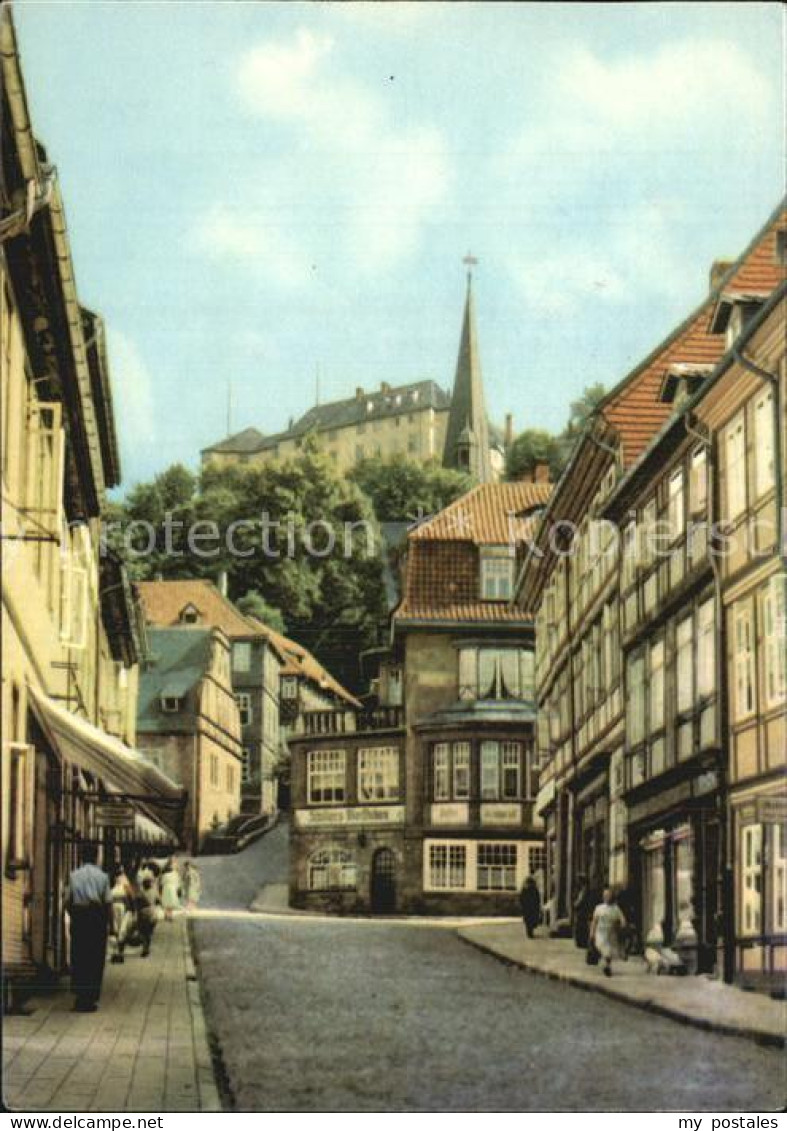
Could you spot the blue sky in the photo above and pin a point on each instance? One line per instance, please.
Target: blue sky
(258, 190)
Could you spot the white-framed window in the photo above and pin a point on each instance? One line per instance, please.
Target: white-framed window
(326, 773)
(537, 859)
(171, 704)
(656, 686)
(763, 444)
(698, 480)
(461, 770)
(497, 573)
(241, 656)
(676, 513)
(511, 770)
(734, 446)
(774, 625)
(496, 866)
(447, 867)
(378, 773)
(684, 663)
(245, 771)
(243, 699)
(490, 771)
(636, 699)
(331, 869)
(706, 648)
(751, 880)
(496, 673)
(441, 753)
(743, 660)
(75, 556)
(45, 465)
(289, 687)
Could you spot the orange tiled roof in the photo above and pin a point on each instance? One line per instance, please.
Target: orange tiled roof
(299, 661)
(163, 602)
(486, 515)
(443, 572)
(634, 410)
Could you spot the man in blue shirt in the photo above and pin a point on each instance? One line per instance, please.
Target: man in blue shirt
(89, 903)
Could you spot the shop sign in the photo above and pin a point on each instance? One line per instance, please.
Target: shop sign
(343, 818)
(456, 814)
(661, 803)
(501, 814)
(116, 815)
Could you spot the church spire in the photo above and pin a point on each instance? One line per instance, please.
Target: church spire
(467, 434)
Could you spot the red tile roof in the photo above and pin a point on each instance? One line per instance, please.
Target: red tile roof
(759, 271)
(487, 515)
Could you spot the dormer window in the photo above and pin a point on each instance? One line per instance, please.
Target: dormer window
(171, 704)
(189, 614)
(497, 573)
(740, 316)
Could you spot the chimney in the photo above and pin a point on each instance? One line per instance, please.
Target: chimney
(385, 387)
(508, 431)
(359, 393)
(718, 270)
(221, 582)
(541, 472)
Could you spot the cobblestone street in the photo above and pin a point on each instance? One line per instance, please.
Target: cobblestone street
(348, 1016)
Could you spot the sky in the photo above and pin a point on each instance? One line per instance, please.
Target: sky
(258, 193)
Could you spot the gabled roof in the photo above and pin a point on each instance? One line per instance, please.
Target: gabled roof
(442, 577)
(757, 272)
(300, 662)
(164, 601)
(487, 515)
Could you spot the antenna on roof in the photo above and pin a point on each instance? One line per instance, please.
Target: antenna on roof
(229, 406)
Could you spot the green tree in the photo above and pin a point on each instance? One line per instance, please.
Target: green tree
(584, 406)
(402, 489)
(254, 604)
(533, 446)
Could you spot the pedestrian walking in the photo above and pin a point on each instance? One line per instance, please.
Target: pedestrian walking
(583, 911)
(171, 890)
(89, 905)
(122, 894)
(148, 903)
(192, 884)
(530, 903)
(606, 930)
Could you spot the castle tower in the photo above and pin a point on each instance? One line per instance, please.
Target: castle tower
(467, 433)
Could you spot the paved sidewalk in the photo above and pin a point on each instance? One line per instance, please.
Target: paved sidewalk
(700, 1001)
(145, 1050)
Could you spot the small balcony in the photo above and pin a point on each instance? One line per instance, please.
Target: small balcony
(314, 723)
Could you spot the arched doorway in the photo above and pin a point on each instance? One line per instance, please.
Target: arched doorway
(383, 891)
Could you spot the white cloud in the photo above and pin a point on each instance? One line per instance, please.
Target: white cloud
(624, 144)
(353, 184)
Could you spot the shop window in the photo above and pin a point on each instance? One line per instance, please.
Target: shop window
(447, 867)
(331, 869)
(496, 867)
(326, 776)
(378, 774)
(654, 889)
(683, 852)
(743, 660)
(751, 878)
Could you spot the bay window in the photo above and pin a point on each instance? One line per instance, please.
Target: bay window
(461, 770)
(440, 756)
(495, 673)
(490, 771)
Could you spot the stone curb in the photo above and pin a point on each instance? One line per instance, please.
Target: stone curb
(650, 1005)
(207, 1050)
